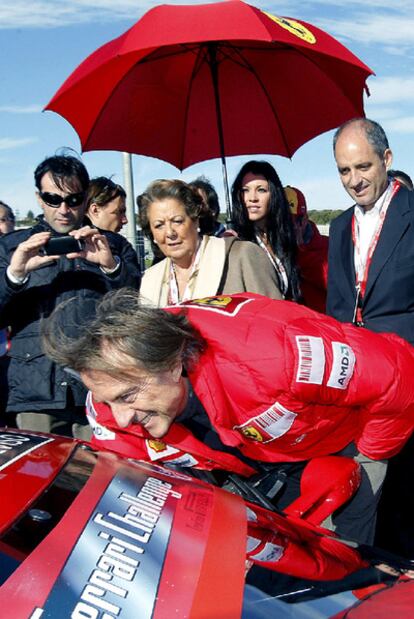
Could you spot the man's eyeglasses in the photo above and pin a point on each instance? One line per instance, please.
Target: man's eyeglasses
(72, 200)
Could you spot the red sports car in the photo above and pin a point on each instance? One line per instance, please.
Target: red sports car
(88, 535)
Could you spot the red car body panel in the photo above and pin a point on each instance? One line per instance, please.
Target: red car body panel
(200, 534)
(397, 599)
(138, 540)
(30, 471)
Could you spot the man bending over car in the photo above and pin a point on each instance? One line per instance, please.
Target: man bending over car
(278, 383)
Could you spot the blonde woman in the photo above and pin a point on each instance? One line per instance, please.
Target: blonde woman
(196, 266)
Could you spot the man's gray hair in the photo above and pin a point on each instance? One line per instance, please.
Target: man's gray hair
(374, 133)
(153, 339)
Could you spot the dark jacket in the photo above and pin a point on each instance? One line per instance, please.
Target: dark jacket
(35, 383)
(388, 305)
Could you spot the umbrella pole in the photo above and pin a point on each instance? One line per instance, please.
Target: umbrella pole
(212, 56)
(129, 189)
(226, 190)
(131, 230)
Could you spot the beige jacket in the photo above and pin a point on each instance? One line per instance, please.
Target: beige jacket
(227, 266)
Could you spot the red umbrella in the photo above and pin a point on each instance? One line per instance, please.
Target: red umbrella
(189, 83)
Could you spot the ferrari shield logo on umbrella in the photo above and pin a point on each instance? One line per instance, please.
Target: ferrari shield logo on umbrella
(190, 83)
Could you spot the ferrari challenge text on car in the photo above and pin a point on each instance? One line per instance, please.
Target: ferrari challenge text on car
(88, 535)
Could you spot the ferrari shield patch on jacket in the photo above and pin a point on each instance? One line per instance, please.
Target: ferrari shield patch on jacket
(158, 449)
(225, 305)
(268, 426)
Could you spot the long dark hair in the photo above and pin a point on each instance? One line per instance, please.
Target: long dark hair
(279, 225)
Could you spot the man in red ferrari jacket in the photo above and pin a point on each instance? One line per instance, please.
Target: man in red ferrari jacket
(277, 383)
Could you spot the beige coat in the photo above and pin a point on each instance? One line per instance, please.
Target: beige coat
(227, 266)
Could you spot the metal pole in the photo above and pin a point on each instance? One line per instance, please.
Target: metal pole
(137, 240)
(212, 56)
(131, 234)
(226, 190)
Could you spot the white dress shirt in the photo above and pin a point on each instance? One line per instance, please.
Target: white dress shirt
(367, 223)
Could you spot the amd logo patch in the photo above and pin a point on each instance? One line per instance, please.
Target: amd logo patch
(343, 364)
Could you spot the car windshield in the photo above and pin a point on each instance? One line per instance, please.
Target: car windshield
(46, 512)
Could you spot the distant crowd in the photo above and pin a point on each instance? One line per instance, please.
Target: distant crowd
(317, 378)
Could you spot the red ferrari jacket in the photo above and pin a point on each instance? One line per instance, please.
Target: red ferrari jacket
(283, 383)
(179, 446)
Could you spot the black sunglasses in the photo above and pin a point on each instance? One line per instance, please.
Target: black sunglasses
(72, 200)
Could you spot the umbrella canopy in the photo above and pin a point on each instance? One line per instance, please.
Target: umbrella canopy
(190, 83)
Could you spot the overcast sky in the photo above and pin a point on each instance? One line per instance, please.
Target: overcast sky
(44, 40)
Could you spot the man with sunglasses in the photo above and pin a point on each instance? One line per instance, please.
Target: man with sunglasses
(32, 283)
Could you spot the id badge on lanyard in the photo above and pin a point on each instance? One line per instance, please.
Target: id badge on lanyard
(277, 265)
(357, 315)
(362, 269)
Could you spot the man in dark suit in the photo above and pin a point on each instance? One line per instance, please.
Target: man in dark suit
(371, 246)
(371, 267)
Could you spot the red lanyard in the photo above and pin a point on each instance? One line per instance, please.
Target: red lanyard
(361, 282)
(277, 265)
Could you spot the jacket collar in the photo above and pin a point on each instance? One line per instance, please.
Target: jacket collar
(396, 222)
(41, 225)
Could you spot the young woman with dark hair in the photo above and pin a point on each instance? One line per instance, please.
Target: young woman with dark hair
(261, 214)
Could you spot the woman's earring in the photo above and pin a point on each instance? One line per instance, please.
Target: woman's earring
(198, 230)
